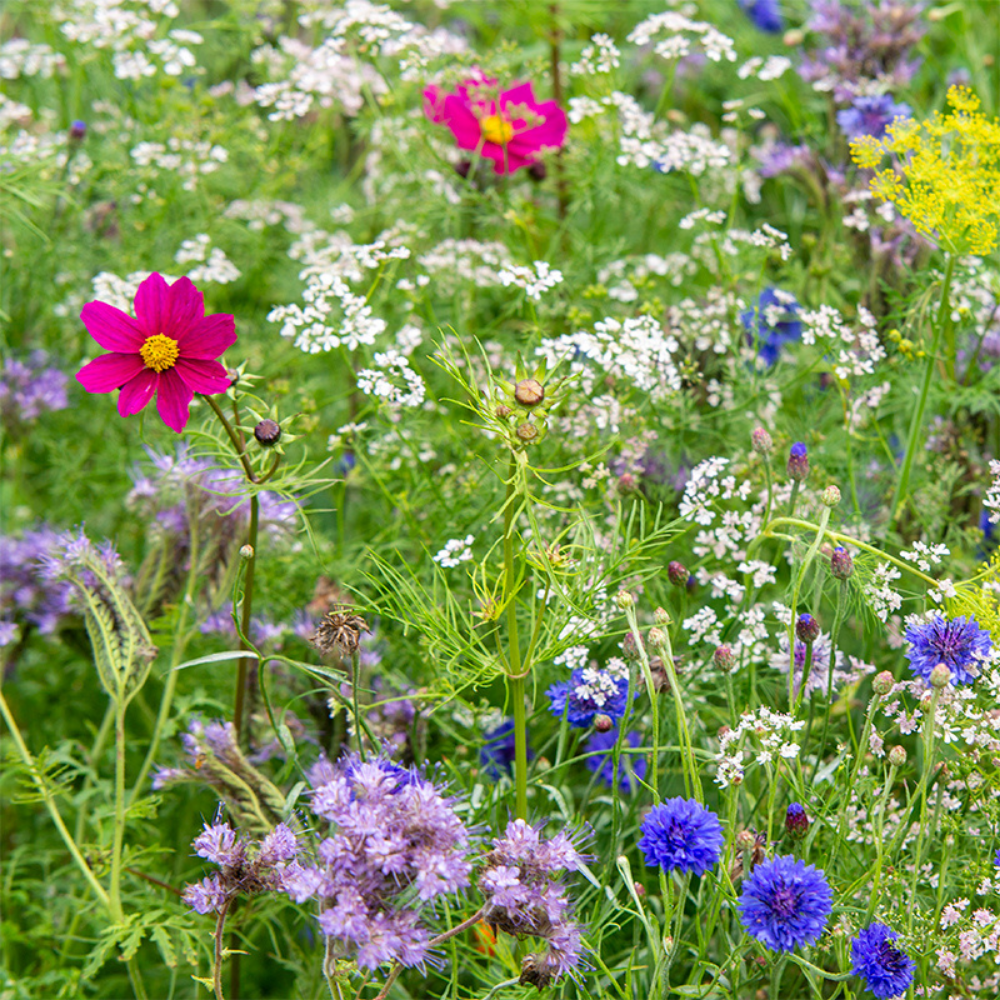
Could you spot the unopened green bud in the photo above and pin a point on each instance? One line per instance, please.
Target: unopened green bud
(940, 676)
(897, 756)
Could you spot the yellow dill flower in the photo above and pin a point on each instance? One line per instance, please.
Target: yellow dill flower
(946, 175)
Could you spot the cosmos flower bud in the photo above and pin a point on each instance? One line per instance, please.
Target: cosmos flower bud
(677, 573)
(798, 462)
(623, 600)
(529, 392)
(841, 563)
(761, 441)
(723, 658)
(267, 433)
(503, 411)
(807, 628)
(897, 756)
(796, 821)
(603, 723)
(830, 496)
(527, 433)
(883, 683)
(940, 676)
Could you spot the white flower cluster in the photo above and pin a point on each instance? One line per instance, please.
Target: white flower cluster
(863, 349)
(393, 380)
(623, 278)
(992, 499)
(865, 404)
(213, 264)
(533, 282)
(733, 242)
(923, 556)
(186, 157)
(12, 111)
(600, 56)
(681, 34)
(703, 489)
(765, 69)
(694, 152)
(705, 215)
(704, 324)
(600, 686)
(883, 599)
(637, 350)
(452, 261)
(260, 214)
(455, 551)
(18, 57)
(770, 736)
(336, 256)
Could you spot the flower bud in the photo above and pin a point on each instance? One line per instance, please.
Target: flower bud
(626, 484)
(723, 658)
(529, 392)
(746, 840)
(537, 171)
(806, 628)
(830, 496)
(246, 552)
(462, 168)
(796, 821)
(78, 130)
(630, 647)
(798, 462)
(841, 563)
(883, 683)
(603, 723)
(661, 617)
(640, 889)
(897, 756)
(940, 676)
(623, 600)
(267, 433)
(526, 433)
(677, 573)
(503, 411)
(761, 441)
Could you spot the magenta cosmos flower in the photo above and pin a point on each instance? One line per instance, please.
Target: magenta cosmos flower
(168, 350)
(508, 127)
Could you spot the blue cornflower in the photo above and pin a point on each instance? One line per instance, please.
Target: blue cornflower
(680, 833)
(886, 970)
(631, 769)
(960, 644)
(765, 14)
(497, 752)
(785, 903)
(871, 116)
(771, 323)
(996, 859)
(587, 693)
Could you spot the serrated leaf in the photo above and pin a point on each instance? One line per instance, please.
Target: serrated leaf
(163, 941)
(131, 943)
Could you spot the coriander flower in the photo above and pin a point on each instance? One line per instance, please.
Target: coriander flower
(167, 350)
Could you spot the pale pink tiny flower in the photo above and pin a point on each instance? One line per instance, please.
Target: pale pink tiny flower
(509, 126)
(167, 350)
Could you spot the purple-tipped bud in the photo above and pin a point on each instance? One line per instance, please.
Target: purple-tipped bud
(746, 840)
(603, 723)
(661, 617)
(692, 582)
(630, 647)
(723, 658)
(807, 628)
(529, 392)
(798, 462)
(841, 563)
(627, 484)
(796, 822)
(897, 756)
(657, 637)
(78, 130)
(761, 441)
(677, 574)
(267, 433)
(883, 683)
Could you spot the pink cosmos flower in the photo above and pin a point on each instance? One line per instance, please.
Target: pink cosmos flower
(168, 350)
(508, 127)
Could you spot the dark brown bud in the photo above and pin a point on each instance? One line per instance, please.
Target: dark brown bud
(463, 167)
(529, 392)
(267, 433)
(537, 171)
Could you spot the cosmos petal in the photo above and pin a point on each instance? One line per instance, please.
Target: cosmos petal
(151, 305)
(208, 338)
(109, 372)
(173, 399)
(208, 377)
(113, 329)
(138, 392)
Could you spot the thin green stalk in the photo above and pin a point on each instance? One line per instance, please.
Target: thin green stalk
(355, 684)
(916, 423)
(879, 843)
(46, 795)
(115, 893)
(654, 701)
(838, 619)
(247, 609)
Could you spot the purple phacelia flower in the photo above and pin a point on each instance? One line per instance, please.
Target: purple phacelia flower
(29, 389)
(960, 644)
(785, 903)
(887, 971)
(681, 834)
(871, 116)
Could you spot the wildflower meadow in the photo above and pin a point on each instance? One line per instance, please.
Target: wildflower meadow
(500, 498)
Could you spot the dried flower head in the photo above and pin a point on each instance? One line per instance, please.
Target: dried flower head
(339, 631)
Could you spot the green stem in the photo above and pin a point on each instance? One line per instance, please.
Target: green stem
(117, 913)
(916, 423)
(355, 684)
(238, 446)
(47, 798)
(241, 669)
(515, 679)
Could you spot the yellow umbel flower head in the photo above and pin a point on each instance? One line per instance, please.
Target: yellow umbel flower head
(945, 177)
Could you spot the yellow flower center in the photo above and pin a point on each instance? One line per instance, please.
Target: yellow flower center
(496, 129)
(159, 352)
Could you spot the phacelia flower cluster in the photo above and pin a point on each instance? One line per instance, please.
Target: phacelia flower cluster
(28, 389)
(589, 692)
(785, 903)
(394, 845)
(246, 867)
(681, 834)
(524, 897)
(960, 644)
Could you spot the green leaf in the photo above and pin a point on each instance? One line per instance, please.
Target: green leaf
(219, 658)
